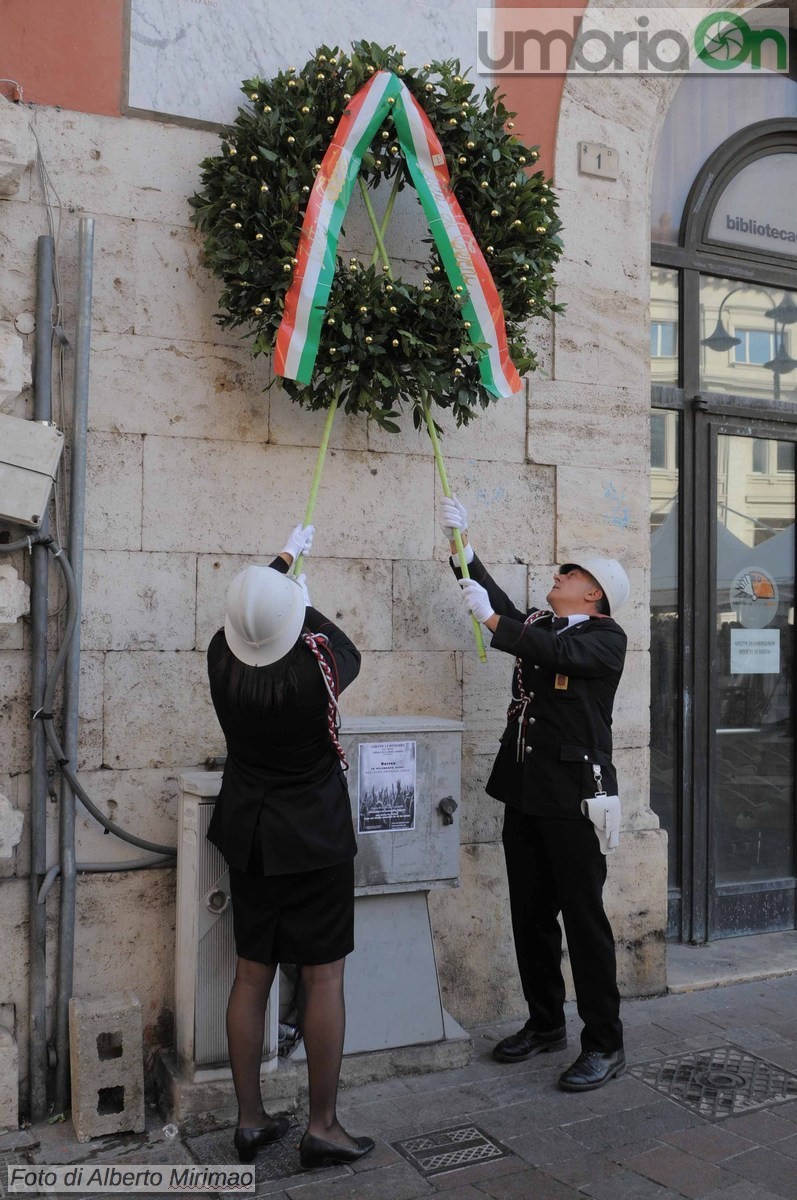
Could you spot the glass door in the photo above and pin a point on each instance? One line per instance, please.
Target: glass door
(749, 735)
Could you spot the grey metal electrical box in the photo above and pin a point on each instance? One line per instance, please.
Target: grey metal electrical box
(29, 455)
(404, 784)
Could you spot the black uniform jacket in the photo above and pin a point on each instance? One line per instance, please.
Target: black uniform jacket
(283, 770)
(571, 678)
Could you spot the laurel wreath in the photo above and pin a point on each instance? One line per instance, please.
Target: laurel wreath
(385, 341)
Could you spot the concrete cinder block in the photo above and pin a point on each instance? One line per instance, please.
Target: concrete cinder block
(106, 1056)
(9, 1080)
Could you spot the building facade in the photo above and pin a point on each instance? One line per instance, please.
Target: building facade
(194, 472)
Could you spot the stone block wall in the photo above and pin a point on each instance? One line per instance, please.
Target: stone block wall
(193, 472)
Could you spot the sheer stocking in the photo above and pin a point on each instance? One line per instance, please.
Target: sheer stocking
(323, 1027)
(246, 1020)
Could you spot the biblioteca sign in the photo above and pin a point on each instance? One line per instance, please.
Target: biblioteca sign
(757, 207)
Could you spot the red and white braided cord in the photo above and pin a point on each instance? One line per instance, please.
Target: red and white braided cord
(518, 703)
(314, 641)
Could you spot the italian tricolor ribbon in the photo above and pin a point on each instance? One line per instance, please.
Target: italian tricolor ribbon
(306, 300)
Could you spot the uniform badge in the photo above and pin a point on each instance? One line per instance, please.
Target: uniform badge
(561, 682)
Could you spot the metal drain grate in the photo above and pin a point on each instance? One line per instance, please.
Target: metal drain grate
(723, 1082)
(450, 1149)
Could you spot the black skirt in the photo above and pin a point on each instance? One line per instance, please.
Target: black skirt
(305, 918)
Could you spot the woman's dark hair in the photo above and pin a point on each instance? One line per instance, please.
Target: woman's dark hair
(261, 688)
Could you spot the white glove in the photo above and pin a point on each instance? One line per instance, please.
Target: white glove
(476, 599)
(302, 582)
(299, 541)
(452, 515)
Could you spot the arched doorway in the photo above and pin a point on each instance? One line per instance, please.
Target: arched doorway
(723, 434)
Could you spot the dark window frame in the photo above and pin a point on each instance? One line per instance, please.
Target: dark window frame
(693, 906)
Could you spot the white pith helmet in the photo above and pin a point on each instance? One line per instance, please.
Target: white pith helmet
(611, 577)
(265, 615)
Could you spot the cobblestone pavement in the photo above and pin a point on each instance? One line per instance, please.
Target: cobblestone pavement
(707, 1109)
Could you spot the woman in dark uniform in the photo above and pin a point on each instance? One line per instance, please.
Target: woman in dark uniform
(283, 824)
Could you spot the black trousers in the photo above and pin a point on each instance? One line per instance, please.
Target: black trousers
(555, 865)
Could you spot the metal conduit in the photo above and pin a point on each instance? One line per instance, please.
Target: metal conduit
(37, 979)
(44, 715)
(77, 505)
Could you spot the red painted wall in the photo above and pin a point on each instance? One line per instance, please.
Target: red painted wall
(66, 52)
(536, 98)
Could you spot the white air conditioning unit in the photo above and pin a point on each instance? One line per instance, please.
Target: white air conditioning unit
(205, 948)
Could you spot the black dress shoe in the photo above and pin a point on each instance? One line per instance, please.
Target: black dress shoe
(527, 1043)
(591, 1070)
(316, 1152)
(248, 1141)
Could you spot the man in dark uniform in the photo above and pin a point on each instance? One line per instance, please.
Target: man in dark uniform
(556, 752)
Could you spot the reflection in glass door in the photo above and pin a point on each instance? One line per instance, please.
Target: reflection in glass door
(751, 770)
(665, 646)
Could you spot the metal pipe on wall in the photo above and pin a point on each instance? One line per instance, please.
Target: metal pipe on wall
(37, 980)
(77, 504)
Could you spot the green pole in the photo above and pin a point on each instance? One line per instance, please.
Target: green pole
(388, 214)
(441, 470)
(319, 466)
(380, 241)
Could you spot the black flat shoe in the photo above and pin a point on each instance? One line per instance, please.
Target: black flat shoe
(316, 1152)
(591, 1070)
(527, 1043)
(248, 1141)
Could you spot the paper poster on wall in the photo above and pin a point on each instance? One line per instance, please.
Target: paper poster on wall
(755, 652)
(386, 786)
